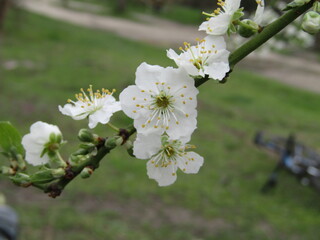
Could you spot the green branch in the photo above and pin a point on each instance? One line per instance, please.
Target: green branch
(54, 189)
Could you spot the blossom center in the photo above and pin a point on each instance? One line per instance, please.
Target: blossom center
(162, 101)
(90, 101)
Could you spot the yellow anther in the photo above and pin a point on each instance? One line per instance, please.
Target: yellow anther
(143, 125)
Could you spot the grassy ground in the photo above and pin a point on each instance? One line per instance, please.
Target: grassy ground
(119, 201)
(175, 12)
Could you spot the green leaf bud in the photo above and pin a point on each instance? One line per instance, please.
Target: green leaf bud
(311, 22)
(86, 172)
(85, 135)
(248, 28)
(316, 7)
(21, 179)
(7, 170)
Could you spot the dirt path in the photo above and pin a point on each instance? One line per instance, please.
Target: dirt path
(298, 72)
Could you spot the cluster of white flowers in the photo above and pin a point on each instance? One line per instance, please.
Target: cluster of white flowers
(162, 103)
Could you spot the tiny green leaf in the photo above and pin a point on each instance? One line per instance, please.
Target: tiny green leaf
(10, 138)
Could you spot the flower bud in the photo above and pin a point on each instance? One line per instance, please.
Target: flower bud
(89, 147)
(57, 173)
(119, 140)
(110, 143)
(85, 135)
(311, 22)
(248, 28)
(21, 179)
(7, 170)
(86, 172)
(316, 7)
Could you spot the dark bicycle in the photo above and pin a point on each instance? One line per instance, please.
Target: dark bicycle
(8, 223)
(296, 158)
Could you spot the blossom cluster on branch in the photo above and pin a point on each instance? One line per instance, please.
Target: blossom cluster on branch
(162, 105)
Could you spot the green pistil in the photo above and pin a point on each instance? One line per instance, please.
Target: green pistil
(162, 101)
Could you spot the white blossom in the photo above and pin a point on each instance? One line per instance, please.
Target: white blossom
(258, 17)
(166, 156)
(163, 100)
(98, 106)
(37, 142)
(221, 18)
(208, 57)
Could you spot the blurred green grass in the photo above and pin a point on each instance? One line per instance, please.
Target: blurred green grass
(119, 201)
(173, 11)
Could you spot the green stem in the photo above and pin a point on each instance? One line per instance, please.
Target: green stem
(113, 127)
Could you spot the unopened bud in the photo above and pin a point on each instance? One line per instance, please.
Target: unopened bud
(89, 147)
(55, 138)
(57, 173)
(311, 22)
(316, 7)
(248, 28)
(85, 135)
(7, 170)
(86, 172)
(119, 140)
(21, 179)
(110, 143)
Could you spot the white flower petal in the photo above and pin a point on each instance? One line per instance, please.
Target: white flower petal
(74, 111)
(232, 6)
(258, 17)
(147, 75)
(191, 163)
(184, 126)
(216, 25)
(145, 146)
(163, 175)
(130, 97)
(217, 70)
